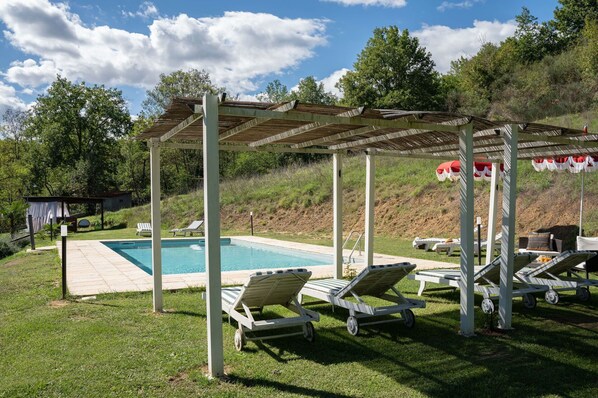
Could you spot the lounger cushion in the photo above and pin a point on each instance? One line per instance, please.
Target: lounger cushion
(538, 241)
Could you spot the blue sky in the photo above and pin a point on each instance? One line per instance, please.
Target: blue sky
(243, 44)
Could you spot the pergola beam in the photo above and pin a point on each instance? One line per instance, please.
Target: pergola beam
(330, 119)
(257, 121)
(336, 137)
(393, 136)
(181, 126)
(247, 148)
(303, 129)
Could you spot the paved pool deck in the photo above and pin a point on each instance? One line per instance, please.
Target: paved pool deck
(93, 268)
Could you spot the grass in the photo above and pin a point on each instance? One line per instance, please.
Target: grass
(115, 346)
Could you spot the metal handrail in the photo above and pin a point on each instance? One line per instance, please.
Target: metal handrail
(357, 242)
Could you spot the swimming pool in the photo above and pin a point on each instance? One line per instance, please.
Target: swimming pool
(182, 256)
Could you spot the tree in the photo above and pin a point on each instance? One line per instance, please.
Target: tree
(312, 92)
(75, 128)
(571, 17)
(275, 92)
(392, 71)
(534, 41)
(13, 127)
(192, 83)
(181, 169)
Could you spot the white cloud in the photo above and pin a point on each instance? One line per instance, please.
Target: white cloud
(146, 10)
(365, 3)
(236, 48)
(330, 81)
(447, 5)
(447, 44)
(9, 99)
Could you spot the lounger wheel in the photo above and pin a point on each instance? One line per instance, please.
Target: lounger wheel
(529, 301)
(551, 297)
(487, 306)
(309, 332)
(409, 318)
(239, 339)
(352, 326)
(583, 294)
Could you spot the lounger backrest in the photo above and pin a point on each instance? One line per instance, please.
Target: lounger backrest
(491, 272)
(561, 263)
(272, 287)
(195, 224)
(375, 280)
(144, 225)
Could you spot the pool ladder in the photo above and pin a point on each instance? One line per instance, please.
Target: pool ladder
(358, 245)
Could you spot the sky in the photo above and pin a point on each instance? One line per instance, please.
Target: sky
(242, 44)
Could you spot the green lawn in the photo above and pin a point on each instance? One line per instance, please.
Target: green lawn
(115, 346)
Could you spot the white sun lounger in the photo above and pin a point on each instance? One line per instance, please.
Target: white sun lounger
(144, 229)
(375, 281)
(486, 281)
(194, 227)
(549, 275)
(426, 243)
(449, 247)
(263, 289)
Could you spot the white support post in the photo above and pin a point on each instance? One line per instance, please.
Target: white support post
(466, 222)
(370, 190)
(156, 222)
(212, 235)
(492, 213)
(507, 249)
(337, 188)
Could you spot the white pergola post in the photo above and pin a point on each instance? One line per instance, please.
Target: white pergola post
(337, 188)
(466, 223)
(156, 221)
(370, 187)
(492, 213)
(212, 235)
(507, 249)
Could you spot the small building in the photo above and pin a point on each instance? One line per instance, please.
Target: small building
(114, 201)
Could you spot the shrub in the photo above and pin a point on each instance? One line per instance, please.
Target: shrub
(7, 248)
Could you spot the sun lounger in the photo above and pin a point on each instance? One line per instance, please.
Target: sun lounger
(549, 274)
(449, 247)
(429, 243)
(144, 229)
(486, 281)
(426, 243)
(194, 227)
(263, 289)
(375, 281)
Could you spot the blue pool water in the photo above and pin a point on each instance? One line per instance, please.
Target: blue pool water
(183, 256)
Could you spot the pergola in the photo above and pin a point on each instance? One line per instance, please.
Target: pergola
(214, 124)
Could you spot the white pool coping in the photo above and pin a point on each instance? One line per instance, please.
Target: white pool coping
(94, 268)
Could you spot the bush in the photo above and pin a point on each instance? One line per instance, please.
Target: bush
(7, 248)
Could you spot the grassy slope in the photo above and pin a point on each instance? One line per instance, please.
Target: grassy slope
(114, 346)
(410, 201)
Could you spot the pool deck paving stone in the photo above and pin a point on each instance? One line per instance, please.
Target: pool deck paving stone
(93, 268)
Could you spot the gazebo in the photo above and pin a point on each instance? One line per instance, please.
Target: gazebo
(215, 124)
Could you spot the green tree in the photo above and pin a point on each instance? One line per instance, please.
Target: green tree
(13, 127)
(571, 17)
(275, 92)
(533, 41)
(75, 129)
(192, 83)
(311, 92)
(392, 71)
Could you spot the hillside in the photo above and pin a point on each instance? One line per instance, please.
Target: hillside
(410, 201)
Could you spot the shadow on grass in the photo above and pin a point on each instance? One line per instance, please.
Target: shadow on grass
(543, 355)
(284, 387)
